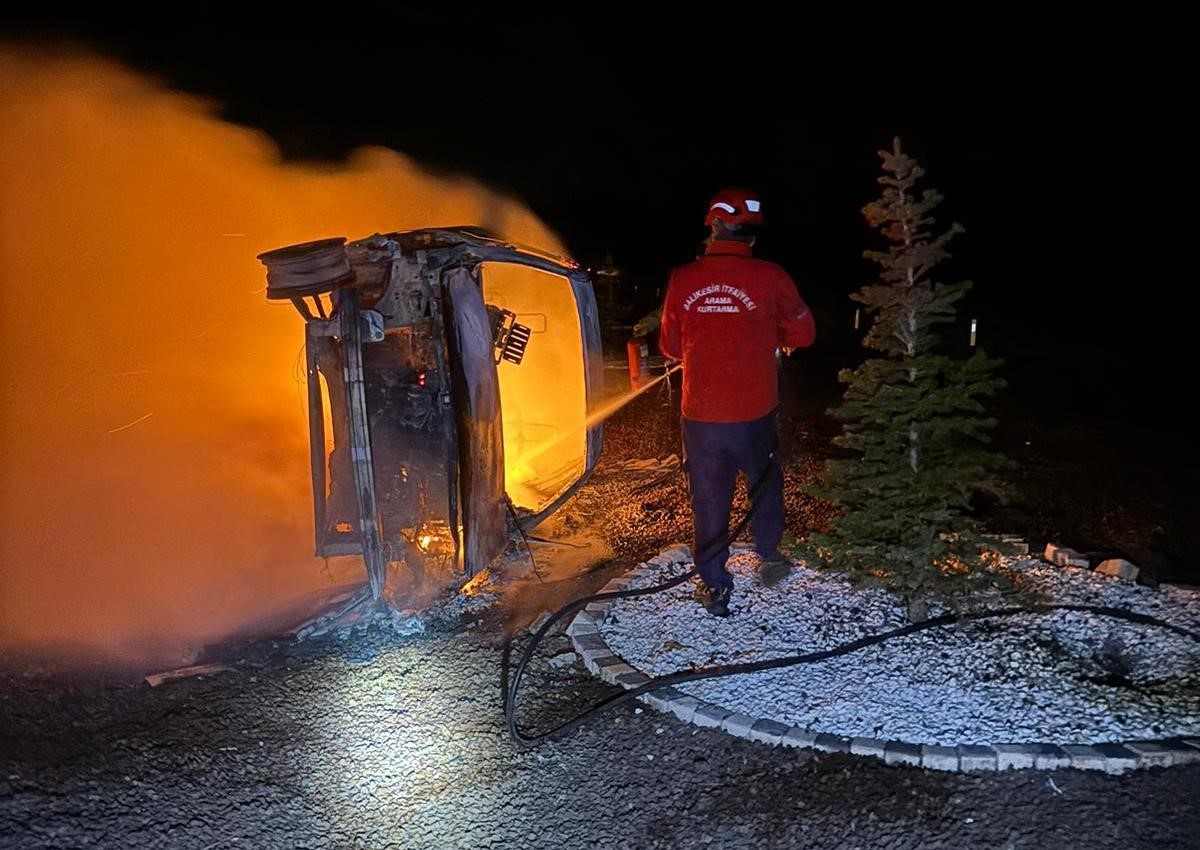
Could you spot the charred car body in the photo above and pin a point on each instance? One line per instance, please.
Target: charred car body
(449, 376)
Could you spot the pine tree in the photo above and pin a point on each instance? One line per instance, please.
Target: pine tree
(911, 414)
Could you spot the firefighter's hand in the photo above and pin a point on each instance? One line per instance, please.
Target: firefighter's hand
(646, 325)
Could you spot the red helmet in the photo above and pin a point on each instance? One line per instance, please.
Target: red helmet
(737, 207)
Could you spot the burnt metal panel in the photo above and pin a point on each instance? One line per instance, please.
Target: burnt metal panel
(411, 407)
(360, 441)
(476, 389)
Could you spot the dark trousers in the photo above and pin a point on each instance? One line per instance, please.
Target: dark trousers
(714, 453)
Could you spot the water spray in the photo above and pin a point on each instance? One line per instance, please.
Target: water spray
(599, 415)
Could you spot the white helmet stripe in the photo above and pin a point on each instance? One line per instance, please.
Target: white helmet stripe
(721, 205)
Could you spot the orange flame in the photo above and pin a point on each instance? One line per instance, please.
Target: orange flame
(155, 489)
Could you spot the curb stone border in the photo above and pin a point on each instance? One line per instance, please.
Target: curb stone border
(589, 644)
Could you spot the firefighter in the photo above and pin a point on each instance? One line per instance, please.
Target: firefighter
(726, 315)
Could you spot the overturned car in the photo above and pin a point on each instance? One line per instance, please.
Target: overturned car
(449, 379)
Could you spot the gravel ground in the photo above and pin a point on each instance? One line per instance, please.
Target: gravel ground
(1065, 677)
(400, 743)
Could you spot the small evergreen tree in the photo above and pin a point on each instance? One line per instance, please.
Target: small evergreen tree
(912, 414)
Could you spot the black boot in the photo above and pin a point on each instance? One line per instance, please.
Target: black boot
(714, 599)
(773, 570)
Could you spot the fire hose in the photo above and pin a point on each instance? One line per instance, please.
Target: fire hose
(680, 677)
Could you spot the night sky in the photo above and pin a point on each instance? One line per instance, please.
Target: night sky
(616, 131)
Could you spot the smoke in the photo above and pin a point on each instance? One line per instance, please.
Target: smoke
(153, 445)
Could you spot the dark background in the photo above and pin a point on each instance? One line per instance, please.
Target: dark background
(1047, 128)
(1032, 121)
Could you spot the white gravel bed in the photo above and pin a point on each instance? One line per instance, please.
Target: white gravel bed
(1063, 677)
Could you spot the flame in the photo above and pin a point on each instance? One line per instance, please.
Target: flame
(544, 400)
(155, 494)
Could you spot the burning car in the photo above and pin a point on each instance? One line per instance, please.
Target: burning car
(449, 377)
